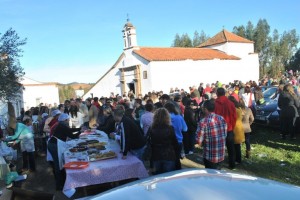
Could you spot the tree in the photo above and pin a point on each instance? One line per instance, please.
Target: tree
(275, 59)
(288, 45)
(177, 41)
(185, 41)
(11, 71)
(66, 92)
(294, 63)
(276, 51)
(249, 31)
(196, 39)
(202, 38)
(282, 49)
(262, 43)
(239, 30)
(61, 93)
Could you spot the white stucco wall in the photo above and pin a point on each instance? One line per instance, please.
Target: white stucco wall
(183, 74)
(239, 49)
(162, 75)
(109, 83)
(48, 94)
(146, 83)
(234, 48)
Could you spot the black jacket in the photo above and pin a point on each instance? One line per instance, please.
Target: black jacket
(132, 137)
(287, 103)
(62, 132)
(190, 120)
(108, 126)
(164, 143)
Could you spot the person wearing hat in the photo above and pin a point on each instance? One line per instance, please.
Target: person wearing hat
(108, 102)
(57, 145)
(50, 121)
(49, 125)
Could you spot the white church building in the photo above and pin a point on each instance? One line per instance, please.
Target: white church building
(225, 57)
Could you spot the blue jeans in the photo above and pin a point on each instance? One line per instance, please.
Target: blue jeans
(139, 153)
(162, 166)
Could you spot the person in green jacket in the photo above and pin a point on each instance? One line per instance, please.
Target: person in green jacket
(24, 136)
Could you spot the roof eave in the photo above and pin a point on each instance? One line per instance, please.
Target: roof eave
(143, 57)
(120, 57)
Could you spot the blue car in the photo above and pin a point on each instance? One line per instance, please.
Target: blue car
(195, 184)
(267, 113)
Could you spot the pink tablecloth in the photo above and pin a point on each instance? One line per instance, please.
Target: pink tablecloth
(105, 171)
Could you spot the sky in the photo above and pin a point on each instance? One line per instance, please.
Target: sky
(79, 40)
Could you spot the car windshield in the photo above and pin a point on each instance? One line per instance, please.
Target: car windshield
(270, 93)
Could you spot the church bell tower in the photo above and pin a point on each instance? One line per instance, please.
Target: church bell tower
(129, 35)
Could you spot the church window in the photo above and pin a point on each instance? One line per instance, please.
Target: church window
(145, 75)
(129, 42)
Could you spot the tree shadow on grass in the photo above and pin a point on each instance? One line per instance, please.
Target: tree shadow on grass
(272, 138)
(273, 169)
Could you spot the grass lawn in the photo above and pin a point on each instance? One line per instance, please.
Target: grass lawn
(271, 157)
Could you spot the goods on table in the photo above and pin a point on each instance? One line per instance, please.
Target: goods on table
(76, 165)
(99, 146)
(102, 156)
(92, 141)
(82, 144)
(78, 149)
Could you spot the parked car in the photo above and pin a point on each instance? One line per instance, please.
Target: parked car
(201, 184)
(267, 113)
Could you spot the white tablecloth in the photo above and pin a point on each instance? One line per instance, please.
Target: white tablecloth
(105, 171)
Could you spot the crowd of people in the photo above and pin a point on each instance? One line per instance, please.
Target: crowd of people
(158, 127)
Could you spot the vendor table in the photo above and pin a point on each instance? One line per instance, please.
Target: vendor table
(103, 171)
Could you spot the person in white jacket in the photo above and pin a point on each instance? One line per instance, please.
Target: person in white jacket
(248, 97)
(83, 109)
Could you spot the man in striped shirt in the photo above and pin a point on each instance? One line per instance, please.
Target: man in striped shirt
(212, 132)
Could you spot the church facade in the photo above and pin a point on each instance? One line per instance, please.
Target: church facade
(225, 57)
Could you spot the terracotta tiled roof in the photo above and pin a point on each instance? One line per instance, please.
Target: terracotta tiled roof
(177, 53)
(222, 37)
